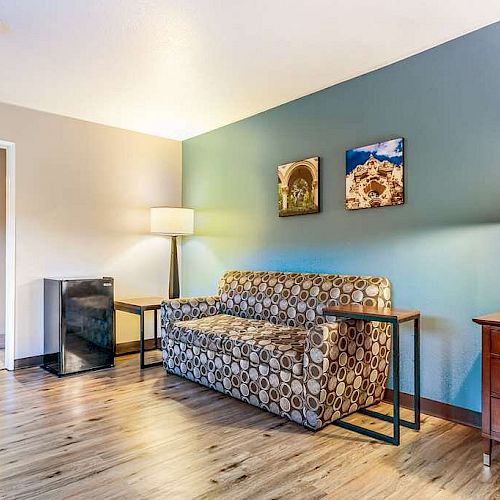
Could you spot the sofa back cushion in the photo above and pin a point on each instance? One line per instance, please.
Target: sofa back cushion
(296, 299)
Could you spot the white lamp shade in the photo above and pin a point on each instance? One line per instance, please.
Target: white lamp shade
(172, 221)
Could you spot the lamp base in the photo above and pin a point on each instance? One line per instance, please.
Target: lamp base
(173, 281)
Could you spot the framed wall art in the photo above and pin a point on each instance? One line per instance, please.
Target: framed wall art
(298, 187)
(374, 175)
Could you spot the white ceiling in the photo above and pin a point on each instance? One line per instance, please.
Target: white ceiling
(177, 68)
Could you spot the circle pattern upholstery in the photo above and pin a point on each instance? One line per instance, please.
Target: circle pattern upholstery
(264, 340)
(264, 385)
(296, 299)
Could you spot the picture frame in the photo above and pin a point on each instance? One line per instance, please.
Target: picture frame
(375, 175)
(298, 187)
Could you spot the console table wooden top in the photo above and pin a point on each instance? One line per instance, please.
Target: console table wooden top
(358, 311)
(138, 305)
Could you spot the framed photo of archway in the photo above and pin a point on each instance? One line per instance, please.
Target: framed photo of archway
(298, 187)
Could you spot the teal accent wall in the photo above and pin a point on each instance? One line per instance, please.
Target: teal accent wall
(441, 250)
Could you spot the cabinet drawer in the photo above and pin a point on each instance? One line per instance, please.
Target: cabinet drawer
(495, 376)
(495, 415)
(495, 341)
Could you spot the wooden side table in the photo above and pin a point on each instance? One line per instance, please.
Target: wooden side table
(490, 326)
(139, 306)
(394, 317)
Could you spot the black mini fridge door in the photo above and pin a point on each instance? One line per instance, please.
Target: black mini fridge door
(86, 328)
(87, 325)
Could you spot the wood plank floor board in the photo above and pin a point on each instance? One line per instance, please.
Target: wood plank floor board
(123, 433)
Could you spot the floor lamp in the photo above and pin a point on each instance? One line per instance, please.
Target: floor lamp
(172, 222)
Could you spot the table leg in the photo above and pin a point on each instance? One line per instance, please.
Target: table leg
(395, 381)
(416, 373)
(141, 342)
(156, 363)
(114, 331)
(487, 449)
(156, 328)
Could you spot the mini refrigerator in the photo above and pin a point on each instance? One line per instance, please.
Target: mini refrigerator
(79, 324)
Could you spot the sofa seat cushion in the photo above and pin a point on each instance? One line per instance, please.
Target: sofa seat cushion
(260, 342)
(280, 393)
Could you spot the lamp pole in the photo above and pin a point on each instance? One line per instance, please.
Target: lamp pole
(173, 282)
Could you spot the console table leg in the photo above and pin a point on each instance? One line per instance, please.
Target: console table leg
(156, 328)
(141, 346)
(416, 374)
(395, 380)
(487, 449)
(114, 332)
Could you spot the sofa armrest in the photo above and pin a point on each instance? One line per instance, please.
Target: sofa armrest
(183, 309)
(345, 369)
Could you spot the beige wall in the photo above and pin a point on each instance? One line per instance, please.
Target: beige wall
(2, 240)
(82, 197)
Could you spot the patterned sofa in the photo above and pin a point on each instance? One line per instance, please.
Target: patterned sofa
(263, 339)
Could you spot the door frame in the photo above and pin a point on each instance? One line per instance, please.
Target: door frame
(10, 253)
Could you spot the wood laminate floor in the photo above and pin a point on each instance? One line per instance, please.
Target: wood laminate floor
(123, 433)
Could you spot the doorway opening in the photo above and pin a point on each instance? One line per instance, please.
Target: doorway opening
(7, 254)
(3, 232)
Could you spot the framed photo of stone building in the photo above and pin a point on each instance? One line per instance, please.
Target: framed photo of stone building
(374, 175)
(298, 187)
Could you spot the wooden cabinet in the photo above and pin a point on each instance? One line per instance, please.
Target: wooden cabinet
(495, 341)
(495, 415)
(490, 325)
(495, 375)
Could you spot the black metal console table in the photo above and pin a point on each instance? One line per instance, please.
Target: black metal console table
(394, 317)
